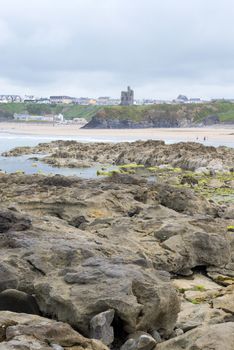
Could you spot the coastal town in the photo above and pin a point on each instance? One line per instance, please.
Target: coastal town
(126, 98)
(32, 112)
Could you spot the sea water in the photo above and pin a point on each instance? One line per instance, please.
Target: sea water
(29, 166)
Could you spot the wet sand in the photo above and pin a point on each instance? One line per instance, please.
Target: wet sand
(212, 135)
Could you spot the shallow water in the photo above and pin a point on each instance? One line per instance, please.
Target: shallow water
(29, 166)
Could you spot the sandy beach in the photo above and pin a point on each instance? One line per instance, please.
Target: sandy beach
(211, 135)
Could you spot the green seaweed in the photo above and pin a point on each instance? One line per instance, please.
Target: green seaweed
(131, 165)
(230, 228)
(199, 288)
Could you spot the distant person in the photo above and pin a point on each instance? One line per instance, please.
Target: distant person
(204, 138)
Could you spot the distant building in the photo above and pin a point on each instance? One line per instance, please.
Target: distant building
(181, 99)
(43, 100)
(10, 99)
(29, 99)
(59, 118)
(39, 118)
(103, 101)
(61, 99)
(185, 99)
(114, 102)
(84, 101)
(127, 97)
(79, 121)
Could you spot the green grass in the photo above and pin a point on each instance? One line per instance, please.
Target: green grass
(227, 117)
(12, 107)
(69, 111)
(192, 112)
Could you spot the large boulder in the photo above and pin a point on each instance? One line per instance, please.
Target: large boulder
(190, 249)
(137, 295)
(184, 200)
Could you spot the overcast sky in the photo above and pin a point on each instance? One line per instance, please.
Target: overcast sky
(98, 47)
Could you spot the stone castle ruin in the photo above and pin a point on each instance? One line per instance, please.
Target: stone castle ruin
(127, 97)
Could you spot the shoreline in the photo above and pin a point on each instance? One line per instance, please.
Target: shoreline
(212, 135)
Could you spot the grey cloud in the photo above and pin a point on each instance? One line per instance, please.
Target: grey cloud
(92, 45)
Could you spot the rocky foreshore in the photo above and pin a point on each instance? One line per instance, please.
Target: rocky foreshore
(122, 261)
(186, 155)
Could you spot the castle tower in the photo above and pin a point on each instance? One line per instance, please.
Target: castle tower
(127, 97)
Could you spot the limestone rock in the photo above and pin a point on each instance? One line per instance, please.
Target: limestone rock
(197, 282)
(226, 302)
(139, 341)
(215, 337)
(100, 327)
(114, 259)
(195, 315)
(184, 200)
(8, 277)
(137, 295)
(23, 331)
(10, 220)
(198, 248)
(190, 155)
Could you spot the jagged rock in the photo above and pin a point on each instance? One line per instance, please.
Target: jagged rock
(195, 315)
(167, 231)
(139, 341)
(100, 327)
(223, 276)
(226, 302)
(10, 220)
(215, 337)
(197, 282)
(137, 296)
(198, 249)
(127, 179)
(8, 277)
(229, 212)
(188, 155)
(116, 261)
(184, 200)
(21, 331)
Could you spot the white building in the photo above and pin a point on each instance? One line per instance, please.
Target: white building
(80, 121)
(40, 118)
(10, 99)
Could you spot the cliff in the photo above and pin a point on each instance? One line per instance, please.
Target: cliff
(153, 116)
(162, 116)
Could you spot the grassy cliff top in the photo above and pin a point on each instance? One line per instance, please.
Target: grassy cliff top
(194, 112)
